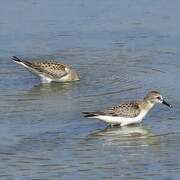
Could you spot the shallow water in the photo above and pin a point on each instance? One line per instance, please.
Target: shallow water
(121, 49)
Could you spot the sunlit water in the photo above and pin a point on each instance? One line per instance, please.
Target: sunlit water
(121, 49)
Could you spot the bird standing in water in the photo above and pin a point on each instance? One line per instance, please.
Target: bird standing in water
(49, 71)
(130, 112)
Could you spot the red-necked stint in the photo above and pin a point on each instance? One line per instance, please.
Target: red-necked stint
(49, 71)
(129, 112)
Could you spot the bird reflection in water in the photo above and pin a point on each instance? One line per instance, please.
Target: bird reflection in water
(122, 135)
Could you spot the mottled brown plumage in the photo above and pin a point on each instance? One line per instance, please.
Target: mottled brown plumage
(129, 109)
(129, 112)
(49, 71)
(53, 69)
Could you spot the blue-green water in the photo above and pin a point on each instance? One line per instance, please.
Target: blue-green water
(121, 49)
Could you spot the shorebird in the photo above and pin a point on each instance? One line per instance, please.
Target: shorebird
(49, 71)
(129, 112)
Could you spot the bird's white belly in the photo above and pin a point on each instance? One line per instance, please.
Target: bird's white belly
(122, 120)
(46, 79)
(64, 78)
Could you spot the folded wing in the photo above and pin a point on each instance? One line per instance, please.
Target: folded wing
(128, 110)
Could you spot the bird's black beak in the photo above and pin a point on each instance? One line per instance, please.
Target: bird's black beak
(167, 104)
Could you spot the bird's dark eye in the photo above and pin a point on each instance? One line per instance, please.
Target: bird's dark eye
(159, 98)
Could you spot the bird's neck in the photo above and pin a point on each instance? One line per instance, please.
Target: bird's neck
(148, 104)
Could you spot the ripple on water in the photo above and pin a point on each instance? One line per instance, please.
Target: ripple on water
(121, 49)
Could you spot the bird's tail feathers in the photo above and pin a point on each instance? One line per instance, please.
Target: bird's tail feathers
(16, 59)
(92, 114)
(22, 62)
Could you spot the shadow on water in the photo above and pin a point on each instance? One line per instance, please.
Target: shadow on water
(123, 135)
(42, 98)
(50, 88)
(133, 131)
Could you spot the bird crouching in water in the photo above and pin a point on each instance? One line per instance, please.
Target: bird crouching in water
(49, 71)
(129, 112)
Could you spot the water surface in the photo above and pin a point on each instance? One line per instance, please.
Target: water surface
(121, 49)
